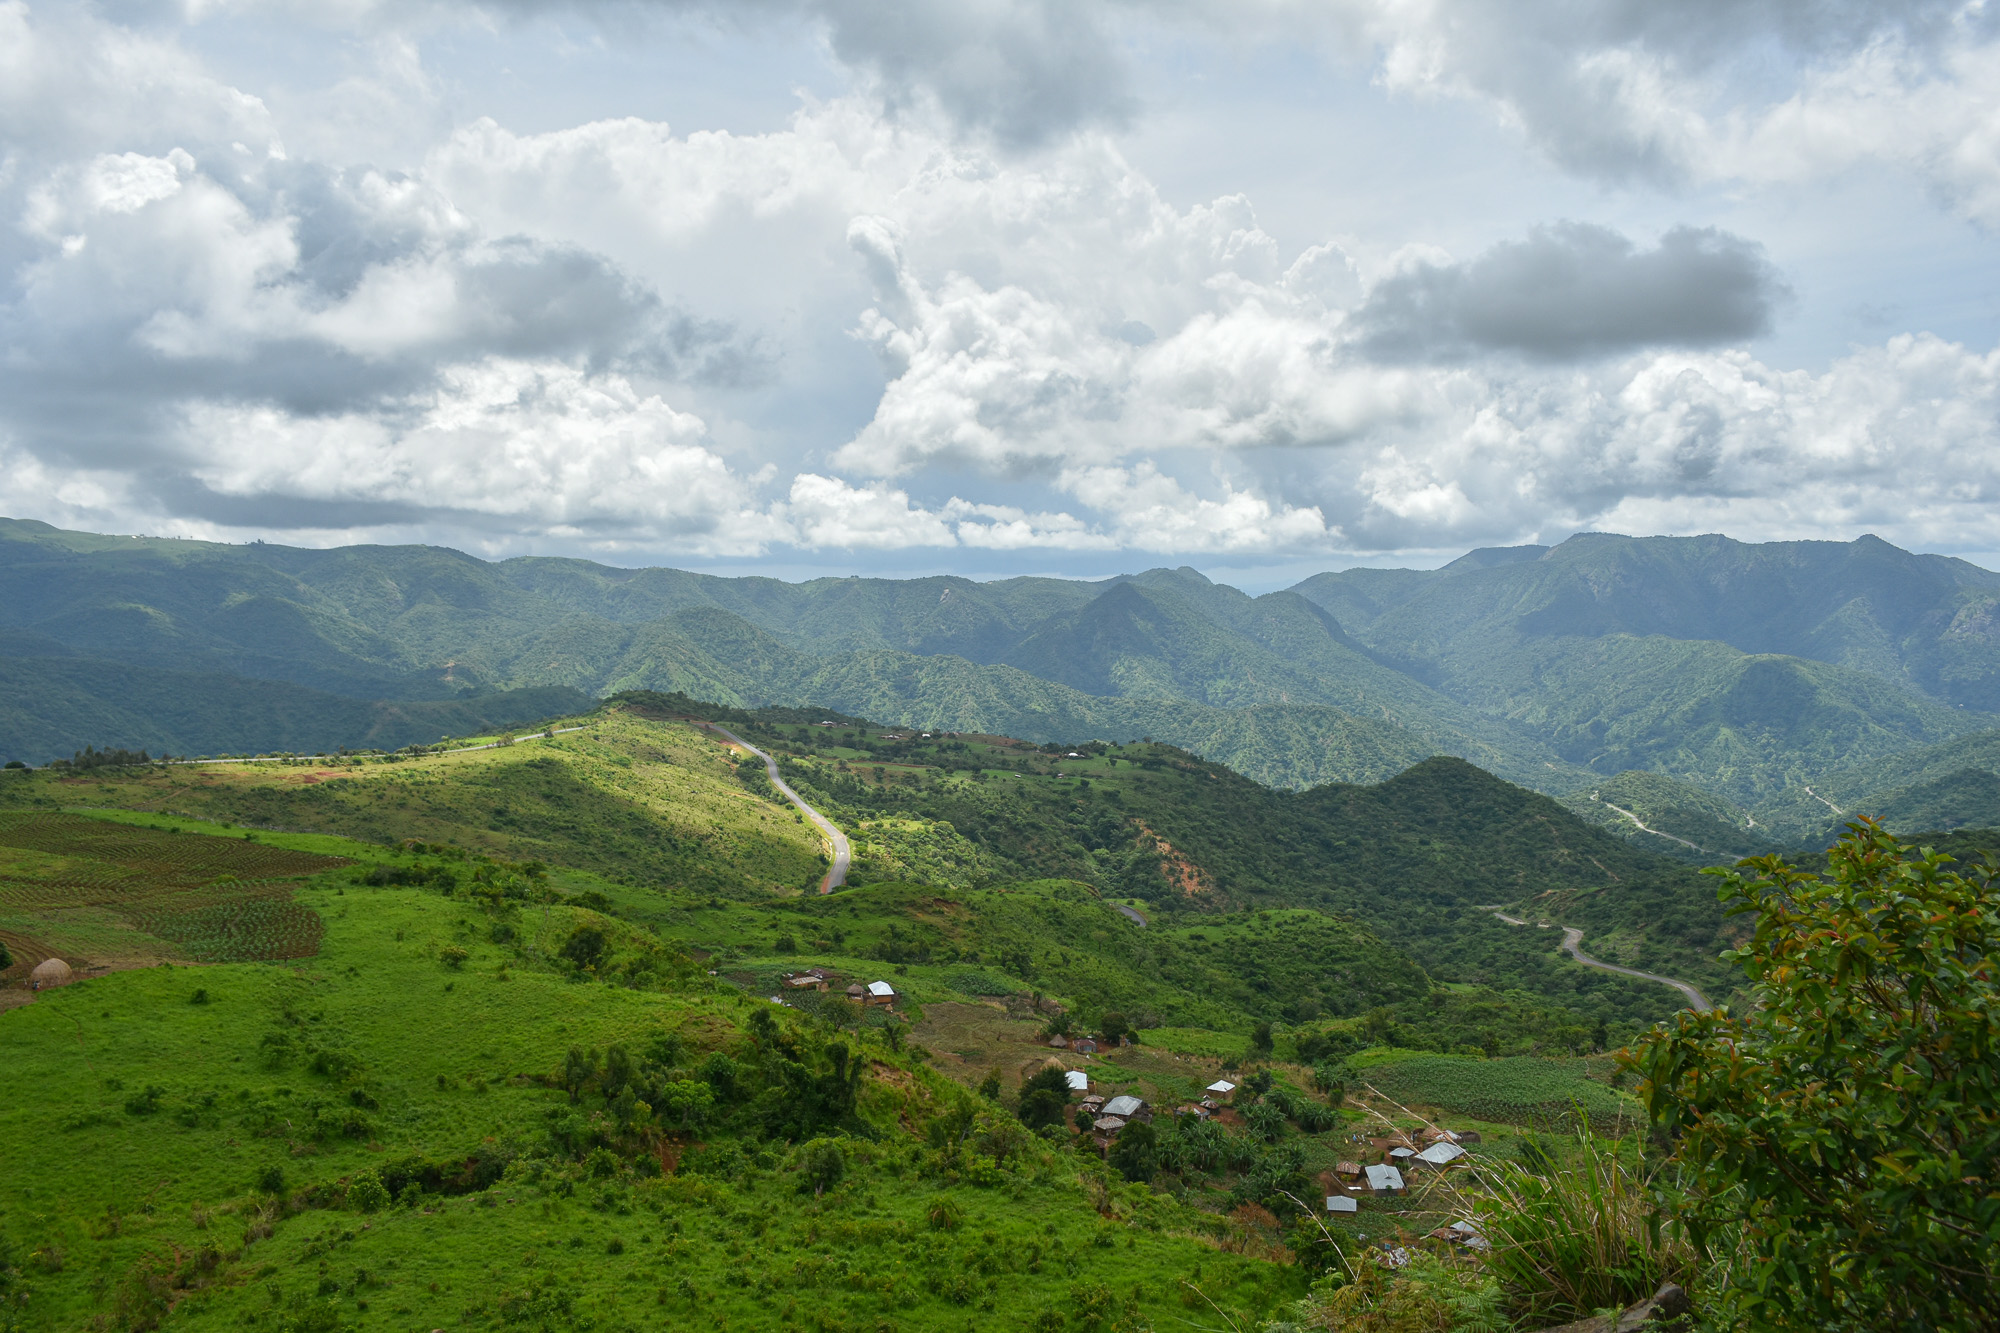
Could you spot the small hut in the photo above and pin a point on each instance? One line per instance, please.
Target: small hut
(49, 973)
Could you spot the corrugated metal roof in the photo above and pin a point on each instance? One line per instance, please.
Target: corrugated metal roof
(1126, 1105)
(880, 988)
(1340, 1203)
(1384, 1178)
(1221, 1087)
(1440, 1153)
(1078, 1080)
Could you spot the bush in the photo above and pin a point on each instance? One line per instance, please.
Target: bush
(453, 956)
(1044, 1099)
(586, 948)
(1842, 1130)
(271, 1180)
(822, 1165)
(366, 1193)
(1135, 1154)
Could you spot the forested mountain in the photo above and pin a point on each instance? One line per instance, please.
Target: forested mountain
(1777, 684)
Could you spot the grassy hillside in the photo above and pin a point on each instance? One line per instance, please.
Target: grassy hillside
(517, 1070)
(625, 799)
(421, 1126)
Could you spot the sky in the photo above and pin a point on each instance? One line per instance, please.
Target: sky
(996, 287)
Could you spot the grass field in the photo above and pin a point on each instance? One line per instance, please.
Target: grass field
(145, 1127)
(645, 802)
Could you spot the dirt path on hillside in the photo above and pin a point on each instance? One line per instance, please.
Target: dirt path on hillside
(843, 854)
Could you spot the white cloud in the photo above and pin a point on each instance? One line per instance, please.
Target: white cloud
(543, 445)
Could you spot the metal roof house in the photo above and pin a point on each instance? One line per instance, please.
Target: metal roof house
(1126, 1106)
(1441, 1153)
(1340, 1203)
(1222, 1087)
(1078, 1080)
(881, 992)
(1385, 1180)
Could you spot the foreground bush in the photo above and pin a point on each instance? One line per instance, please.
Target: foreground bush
(1844, 1131)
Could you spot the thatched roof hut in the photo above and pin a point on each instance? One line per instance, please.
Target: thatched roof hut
(50, 972)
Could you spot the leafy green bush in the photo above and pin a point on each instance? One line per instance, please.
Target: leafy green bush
(366, 1192)
(1844, 1130)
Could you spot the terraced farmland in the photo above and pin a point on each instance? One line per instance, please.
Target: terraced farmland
(100, 893)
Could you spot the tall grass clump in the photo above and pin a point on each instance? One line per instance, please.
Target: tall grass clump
(1580, 1233)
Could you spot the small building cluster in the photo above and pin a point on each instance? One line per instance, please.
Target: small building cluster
(877, 993)
(1431, 1149)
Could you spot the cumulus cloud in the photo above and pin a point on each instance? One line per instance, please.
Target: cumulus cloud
(1575, 290)
(543, 444)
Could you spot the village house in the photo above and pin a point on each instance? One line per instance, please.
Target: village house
(812, 979)
(1127, 1107)
(1222, 1087)
(1078, 1080)
(1442, 1153)
(881, 992)
(1084, 1046)
(1385, 1180)
(1340, 1203)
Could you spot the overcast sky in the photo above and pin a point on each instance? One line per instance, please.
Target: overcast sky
(1002, 286)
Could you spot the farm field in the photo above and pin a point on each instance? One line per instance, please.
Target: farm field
(1519, 1090)
(104, 894)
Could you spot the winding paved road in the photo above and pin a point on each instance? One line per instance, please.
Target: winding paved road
(1572, 945)
(843, 855)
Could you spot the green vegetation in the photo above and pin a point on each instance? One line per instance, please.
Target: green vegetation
(1838, 1140)
(375, 1140)
(1744, 674)
(1518, 1090)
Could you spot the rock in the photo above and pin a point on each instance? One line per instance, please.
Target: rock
(1653, 1315)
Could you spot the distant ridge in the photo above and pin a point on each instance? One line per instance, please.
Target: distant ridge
(1746, 672)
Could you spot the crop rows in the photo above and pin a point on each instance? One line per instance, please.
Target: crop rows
(180, 857)
(246, 930)
(1520, 1090)
(208, 899)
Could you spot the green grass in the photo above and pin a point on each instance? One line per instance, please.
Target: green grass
(438, 1065)
(1519, 1090)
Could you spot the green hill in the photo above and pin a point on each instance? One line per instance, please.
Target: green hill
(1746, 672)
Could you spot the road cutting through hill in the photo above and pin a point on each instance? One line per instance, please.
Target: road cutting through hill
(1572, 945)
(843, 855)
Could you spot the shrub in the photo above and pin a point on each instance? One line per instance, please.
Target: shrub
(822, 1165)
(1136, 1153)
(1843, 1129)
(453, 956)
(586, 948)
(943, 1213)
(366, 1193)
(271, 1180)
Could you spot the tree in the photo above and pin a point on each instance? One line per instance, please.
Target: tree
(1260, 1038)
(1044, 1098)
(1135, 1154)
(1113, 1025)
(822, 1165)
(1842, 1134)
(989, 1087)
(586, 947)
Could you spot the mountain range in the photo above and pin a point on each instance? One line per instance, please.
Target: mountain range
(1726, 696)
